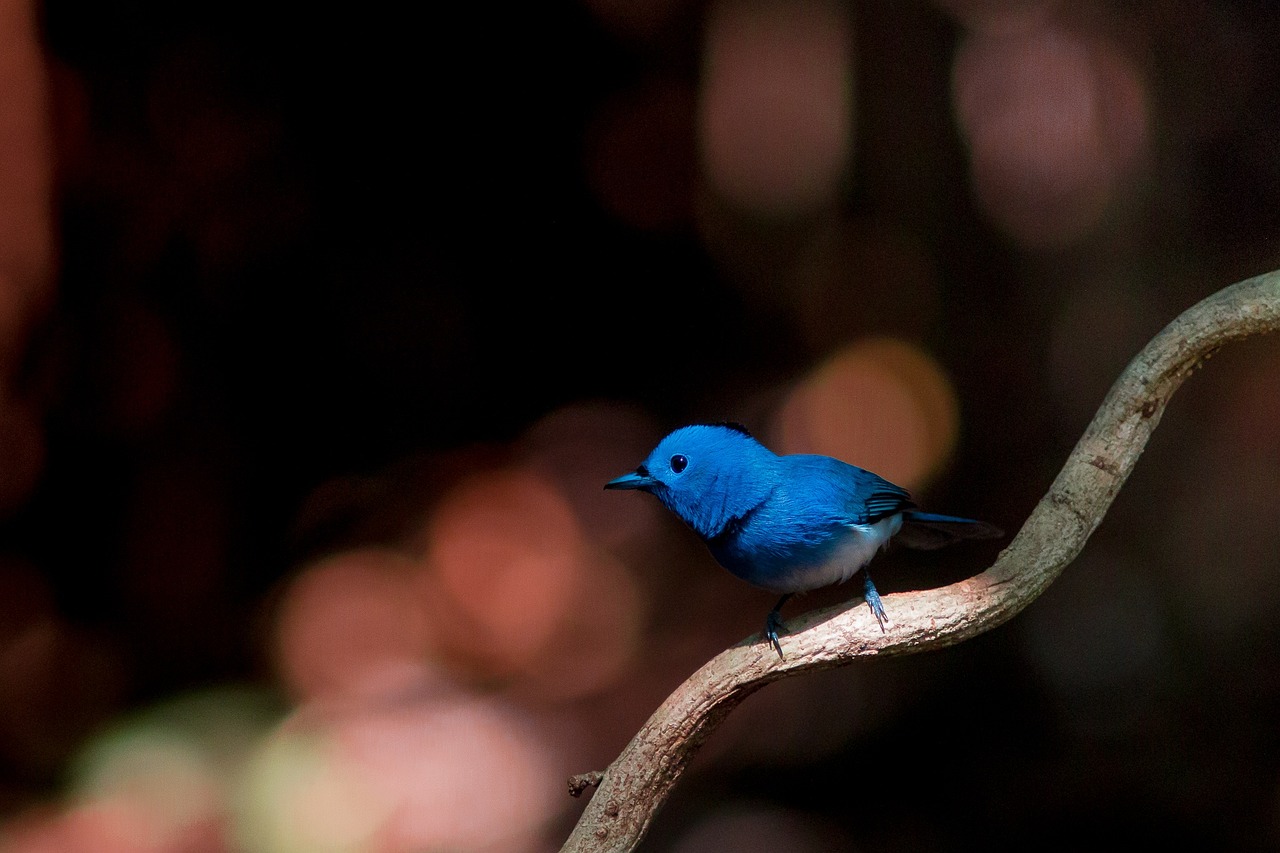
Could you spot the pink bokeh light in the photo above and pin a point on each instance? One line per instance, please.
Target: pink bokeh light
(775, 118)
(504, 553)
(453, 771)
(1055, 120)
(349, 622)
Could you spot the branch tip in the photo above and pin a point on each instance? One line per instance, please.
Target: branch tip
(583, 781)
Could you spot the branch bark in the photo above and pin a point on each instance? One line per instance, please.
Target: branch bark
(639, 781)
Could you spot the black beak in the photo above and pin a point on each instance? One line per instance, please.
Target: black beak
(637, 479)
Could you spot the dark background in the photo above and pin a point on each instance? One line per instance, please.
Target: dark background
(302, 248)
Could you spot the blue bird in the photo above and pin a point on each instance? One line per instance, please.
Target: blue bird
(787, 523)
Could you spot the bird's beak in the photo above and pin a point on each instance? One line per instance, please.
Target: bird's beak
(638, 479)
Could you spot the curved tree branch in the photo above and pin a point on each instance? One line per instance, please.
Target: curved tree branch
(636, 785)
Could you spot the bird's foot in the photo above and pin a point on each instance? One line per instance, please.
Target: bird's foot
(773, 625)
(872, 596)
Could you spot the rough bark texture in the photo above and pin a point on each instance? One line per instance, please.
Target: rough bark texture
(636, 785)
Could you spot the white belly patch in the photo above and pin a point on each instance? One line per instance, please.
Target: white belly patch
(858, 549)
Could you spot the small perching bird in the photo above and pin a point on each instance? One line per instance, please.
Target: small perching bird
(787, 523)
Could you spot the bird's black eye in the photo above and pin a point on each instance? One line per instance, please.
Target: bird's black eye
(678, 463)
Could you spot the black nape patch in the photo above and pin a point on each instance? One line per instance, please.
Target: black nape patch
(733, 425)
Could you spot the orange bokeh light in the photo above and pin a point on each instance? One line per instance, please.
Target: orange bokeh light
(504, 555)
(881, 404)
(514, 587)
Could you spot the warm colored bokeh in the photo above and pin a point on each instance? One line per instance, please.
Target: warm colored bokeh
(321, 333)
(881, 402)
(775, 113)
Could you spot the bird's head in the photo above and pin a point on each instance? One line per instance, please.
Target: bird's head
(708, 474)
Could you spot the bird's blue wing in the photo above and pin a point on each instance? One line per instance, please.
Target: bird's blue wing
(857, 495)
(886, 500)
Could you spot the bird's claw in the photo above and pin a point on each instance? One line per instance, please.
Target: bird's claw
(882, 618)
(872, 596)
(772, 627)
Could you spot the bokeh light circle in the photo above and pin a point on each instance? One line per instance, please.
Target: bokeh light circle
(505, 553)
(775, 117)
(882, 404)
(452, 771)
(1054, 120)
(348, 619)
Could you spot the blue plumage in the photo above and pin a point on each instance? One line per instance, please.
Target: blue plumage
(787, 523)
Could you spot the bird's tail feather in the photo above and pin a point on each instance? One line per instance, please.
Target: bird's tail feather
(926, 530)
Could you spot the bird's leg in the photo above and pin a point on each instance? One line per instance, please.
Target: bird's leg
(773, 624)
(873, 600)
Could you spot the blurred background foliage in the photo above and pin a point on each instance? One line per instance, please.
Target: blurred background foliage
(321, 329)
